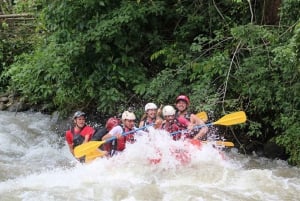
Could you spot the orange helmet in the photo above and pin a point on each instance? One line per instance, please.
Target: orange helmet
(184, 98)
(112, 122)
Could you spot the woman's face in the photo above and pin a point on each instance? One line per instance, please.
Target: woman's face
(151, 113)
(181, 105)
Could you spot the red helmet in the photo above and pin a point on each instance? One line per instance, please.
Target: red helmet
(112, 122)
(184, 98)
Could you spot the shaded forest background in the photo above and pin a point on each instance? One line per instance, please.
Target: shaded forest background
(108, 56)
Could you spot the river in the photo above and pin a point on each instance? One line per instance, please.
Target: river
(36, 165)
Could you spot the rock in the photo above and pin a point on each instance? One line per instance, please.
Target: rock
(2, 106)
(4, 99)
(18, 107)
(274, 151)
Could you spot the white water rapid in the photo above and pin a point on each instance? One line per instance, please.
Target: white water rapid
(33, 167)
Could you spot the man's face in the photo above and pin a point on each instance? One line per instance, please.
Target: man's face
(181, 105)
(129, 123)
(169, 118)
(80, 122)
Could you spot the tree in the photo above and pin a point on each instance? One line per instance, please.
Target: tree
(109, 55)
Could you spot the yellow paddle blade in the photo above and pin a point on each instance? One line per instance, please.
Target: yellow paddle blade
(232, 119)
(89, 157)
(220, 143)
(86, 148)
(226, 144)
(202, 116)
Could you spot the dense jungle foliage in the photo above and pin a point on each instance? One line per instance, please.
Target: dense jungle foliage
(227, 55)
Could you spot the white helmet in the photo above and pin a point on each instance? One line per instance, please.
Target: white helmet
(128, 115)
(168, 110)
(150, 106)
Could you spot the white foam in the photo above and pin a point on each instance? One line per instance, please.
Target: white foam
(41, 170)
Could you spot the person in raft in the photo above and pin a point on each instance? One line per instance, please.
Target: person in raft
(124, 133)
(182, 103)
(80, 132)
(172, 124)
(99, 133)
(151, 116)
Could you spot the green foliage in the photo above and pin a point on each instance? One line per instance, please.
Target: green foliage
(87, 59)
(28, 6)
(290, 136)
(288, 96)
(30, 71)
(290, 12)
(269, 86)
(17, 35)
(253, 69)
(167, 79)
(111, 55)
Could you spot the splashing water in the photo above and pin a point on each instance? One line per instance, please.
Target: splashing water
(33, 167)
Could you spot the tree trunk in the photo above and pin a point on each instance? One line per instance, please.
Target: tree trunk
(271, 12)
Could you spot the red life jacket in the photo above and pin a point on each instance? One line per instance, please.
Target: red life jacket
(78, 138)
(174, 127)
(120, 143)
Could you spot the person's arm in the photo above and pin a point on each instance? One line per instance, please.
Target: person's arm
(201, 133)
(86, 139)
(197, 121)
(115, 131)
(69, 142)
(89, 133)
(141, 123)
(71, 149)
(107, 136)
(159, 111)
(158, 122)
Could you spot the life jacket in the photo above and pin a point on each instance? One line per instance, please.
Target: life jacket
(173, 128)
(193, 132)
(120, 143)
(187, 116)
(147, 122)
(77, 138)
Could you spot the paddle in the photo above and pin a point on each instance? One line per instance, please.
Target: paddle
(231, 119)
(90, 146)
(203, 116)
(227, 120)
(93, 155)
(220, 143)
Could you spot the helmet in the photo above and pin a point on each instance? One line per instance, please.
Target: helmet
(112, 122)
(168, 110)
(184, 98)
(78, 114)
(128, 115)
(150, 106)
